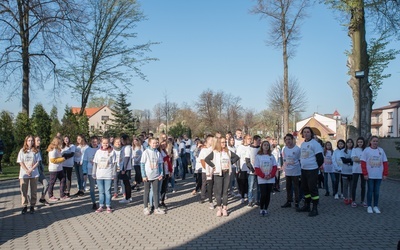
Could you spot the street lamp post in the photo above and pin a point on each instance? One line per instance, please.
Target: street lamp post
(359, 75)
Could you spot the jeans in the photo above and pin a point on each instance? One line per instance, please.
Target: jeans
(221, 186)
(292, 184)
(347, 184)
(333, 181)
(68, 178)
(265, 195)
(203, 186)
(79, 176)
(155, 192)
(338, 179)
(233, 181)
(104, 187)
(253, 193)
(164, 188)
(92, 182)
(45, 183)
(53, 178)
(354, 189)
(373, 189)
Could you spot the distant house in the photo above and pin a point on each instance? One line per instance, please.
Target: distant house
(99, 118)
(327, 127)
(385, 120)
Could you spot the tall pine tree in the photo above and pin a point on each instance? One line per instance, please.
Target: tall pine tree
(41, 125)
(6, 134)
(123, 122)
(70, 125)
(55, 123)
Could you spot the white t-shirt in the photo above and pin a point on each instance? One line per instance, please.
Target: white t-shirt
(79, 153)
(55, 167)
(276, 152)
(356, 154)
(188, 145)
(374, 159)
(88, 156)
(347, 168)
(241, 151)
(136, 155)
(119, 158)
(251, 154)
(203, 154)
(291, 161)
(70, 161)
(104, 168)
(337, 160)
(265, 163)
(128, 153)
(308, 151)
(328, 163)
(29, 158)
(151, 158)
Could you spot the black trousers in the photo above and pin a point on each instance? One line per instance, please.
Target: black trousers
(265, 195)
(292, 184)
(309, 184)
(164, 187)
(68, 178)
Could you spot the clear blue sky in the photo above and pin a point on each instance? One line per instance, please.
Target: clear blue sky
(221, 46)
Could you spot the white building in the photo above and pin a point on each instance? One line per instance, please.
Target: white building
(385, 120)
(99, 118)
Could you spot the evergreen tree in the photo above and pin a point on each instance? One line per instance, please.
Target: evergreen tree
(55, 123)
(83, 125)
(22, 129)
(6, 134)
(41, 125)
(123, 122)
(179, 129)
(70, 125)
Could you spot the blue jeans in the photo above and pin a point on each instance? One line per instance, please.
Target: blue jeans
(326, 181)
(373, 188)
(172, 181)
(79, 175)
(104, 187)
(92, 182)
(151, 194)
(254, 190)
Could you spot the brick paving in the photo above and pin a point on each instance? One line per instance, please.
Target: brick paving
(190, 225)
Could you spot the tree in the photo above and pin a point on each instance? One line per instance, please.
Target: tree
(6, 134)
(123, 122)
(384, 18)
(107, 51)
(41, 125)
(168, 111)
(33, 35)
(146, 121)
(232, 111)
(297, 96)
(285, 17)
(55, 123)
(210, 109)
(178, 130)
(100, 101)
(249, 121)
(70, 126)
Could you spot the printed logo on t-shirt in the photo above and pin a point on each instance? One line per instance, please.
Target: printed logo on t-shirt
(375, 161)
(266, 166)
(305, 152)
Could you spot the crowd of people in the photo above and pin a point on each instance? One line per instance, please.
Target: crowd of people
(248, 167)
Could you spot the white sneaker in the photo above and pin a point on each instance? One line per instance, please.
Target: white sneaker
(124, 201)
(159, 211)
(241, 201)
(341, 196)
(376, 210)
(336, 197)
(369, 210)
(211, 205)
(146, 211)
(245, 195)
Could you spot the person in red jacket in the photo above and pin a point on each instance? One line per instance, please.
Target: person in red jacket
(374, 165)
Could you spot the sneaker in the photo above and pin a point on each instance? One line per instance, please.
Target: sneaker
(369, 210)
(219, 212)
(376, 210)
(287, 204)
(262, 212)
(65, 198)
(42, 201)
(53, 199)
(173, 191)
(24, 210)
(353, 204)
(224, 212)
(257, 204)
(336, 197)
(109, 210)
(238, 195)
(94, 206)
(250, 205)
(364, 204)
(115, 196)
(146, 211)
(99, 210)
(211, 205)
(159, 211)
(32, 210)
(124, 201)
(241, 201)
(346, 201)
(81, 193)
(341, 196)
(87, 189)
(245, 195)
(162, 205)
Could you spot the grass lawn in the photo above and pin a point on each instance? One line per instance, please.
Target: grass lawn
(10, 171)
(394, 168)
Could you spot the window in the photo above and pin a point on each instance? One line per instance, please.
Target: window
(100, 127)
(92, 128)
(390, 129)
(390, 115)
(104, 118)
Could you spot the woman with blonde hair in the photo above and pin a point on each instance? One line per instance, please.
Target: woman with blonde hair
(56, 169)
(28, 159)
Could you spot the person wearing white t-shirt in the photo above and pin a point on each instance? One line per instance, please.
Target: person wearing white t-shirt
(197, 167)
(242, 169)
(68, 150)
(311, 159)
(80, 148)
(28, 159)
(292, 169)
(277, 153)
(87, 167)
(329, 171)
(238, 137)
(347, 171)
(356, 154)
(265, 169)
(103, 171)
(126, 168)
(375, 168)
(207, 181)
(253, 193)
(338, 165)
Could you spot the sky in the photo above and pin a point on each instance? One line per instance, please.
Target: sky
(220, 45)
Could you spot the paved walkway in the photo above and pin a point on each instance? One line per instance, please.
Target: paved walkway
(190, 225)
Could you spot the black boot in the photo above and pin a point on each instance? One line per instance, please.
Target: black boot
(287, 204)
(306, 206)
(314, 211)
